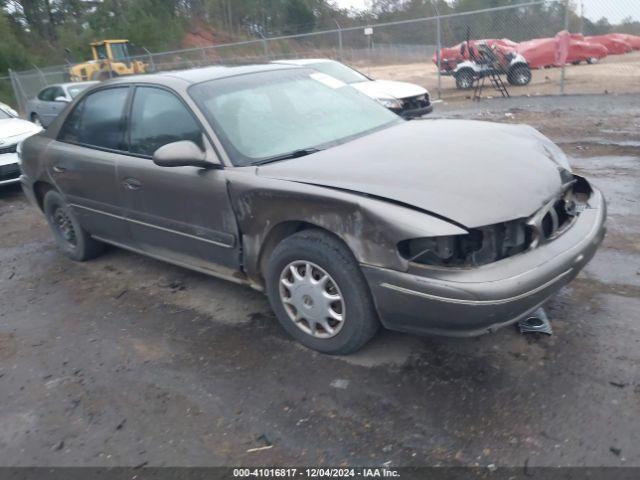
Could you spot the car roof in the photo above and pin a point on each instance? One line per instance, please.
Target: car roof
(303, 61)
(69, 84)
(197, 75)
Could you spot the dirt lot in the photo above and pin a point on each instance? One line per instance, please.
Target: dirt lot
(125, 360)
(614, 74)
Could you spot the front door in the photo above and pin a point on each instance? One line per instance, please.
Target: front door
(182, 214)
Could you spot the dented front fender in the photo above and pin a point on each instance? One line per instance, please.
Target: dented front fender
(371, 227)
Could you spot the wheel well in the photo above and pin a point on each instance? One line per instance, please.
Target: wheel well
(40, 189)
(277, 234)
(466, 70)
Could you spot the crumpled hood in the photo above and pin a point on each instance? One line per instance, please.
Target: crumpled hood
(474, 173)
(15, 127)
(389, 89)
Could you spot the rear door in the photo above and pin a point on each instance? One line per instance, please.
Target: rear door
(82, 162)
(182, 214)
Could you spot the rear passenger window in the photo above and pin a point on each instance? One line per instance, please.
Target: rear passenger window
(158, 118)
(98, 120)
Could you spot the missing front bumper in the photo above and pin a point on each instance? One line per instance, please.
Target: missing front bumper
(469, 302)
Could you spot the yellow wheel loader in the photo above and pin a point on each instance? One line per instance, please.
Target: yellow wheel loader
(110, 59)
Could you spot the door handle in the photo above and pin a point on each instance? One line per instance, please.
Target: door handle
(59, 169)
(132, 184)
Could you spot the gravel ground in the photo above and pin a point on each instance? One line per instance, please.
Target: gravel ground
(125, 360)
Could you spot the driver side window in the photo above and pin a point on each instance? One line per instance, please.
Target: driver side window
(159, 118)
(47, 95)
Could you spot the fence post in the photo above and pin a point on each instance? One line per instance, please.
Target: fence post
(17, 92)
(265, 46)
(566, 27)
(434, 3)
(339, 40)
(151, 62)
(42, 77)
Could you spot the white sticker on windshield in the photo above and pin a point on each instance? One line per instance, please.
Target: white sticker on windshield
(327, 80)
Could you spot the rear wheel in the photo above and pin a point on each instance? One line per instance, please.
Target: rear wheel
(519, 75)
(464, 79)
(592, 60)
(74, 241)
(319, 293)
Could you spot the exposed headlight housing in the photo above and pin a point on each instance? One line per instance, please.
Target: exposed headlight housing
(391, 103)
(491, 243)
(479, 247)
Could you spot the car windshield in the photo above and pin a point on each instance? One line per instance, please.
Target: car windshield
(339, 71)
(263, 116)
(74, 90)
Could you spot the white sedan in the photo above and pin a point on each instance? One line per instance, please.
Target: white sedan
(405, 99)
(13, 130)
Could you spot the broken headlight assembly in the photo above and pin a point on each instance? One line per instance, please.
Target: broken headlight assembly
(478, 247)
(489, 244)
(391, 103)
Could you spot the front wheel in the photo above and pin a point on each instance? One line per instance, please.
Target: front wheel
(465, 79)
(74, 241)
(36, 119)
(319, 293)
(592, 60)
(519, 75)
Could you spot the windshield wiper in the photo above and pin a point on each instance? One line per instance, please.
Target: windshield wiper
(302, 152)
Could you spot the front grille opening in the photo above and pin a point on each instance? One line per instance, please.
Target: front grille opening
(9, 172)
(416, 103)
(10, 149)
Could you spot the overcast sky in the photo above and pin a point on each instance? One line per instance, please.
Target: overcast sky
(614, 10)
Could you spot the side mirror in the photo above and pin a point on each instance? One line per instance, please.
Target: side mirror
(184, 153)
(61, 99)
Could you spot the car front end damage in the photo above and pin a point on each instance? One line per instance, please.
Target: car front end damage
(412, 107)
(494, 276)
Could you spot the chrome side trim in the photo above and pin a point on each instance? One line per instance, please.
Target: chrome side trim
(476, 302)
(138, 222)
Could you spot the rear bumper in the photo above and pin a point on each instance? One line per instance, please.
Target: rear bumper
(469, 302)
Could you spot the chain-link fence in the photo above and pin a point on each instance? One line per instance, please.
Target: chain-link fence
(407, 51)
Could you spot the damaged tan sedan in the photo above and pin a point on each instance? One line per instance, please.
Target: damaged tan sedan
(285, 179)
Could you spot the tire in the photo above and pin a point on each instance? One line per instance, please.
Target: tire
(323, 254)
(576, 62)
(465, 79)
(519, 75)
(36, 119)
(74, 241)
(592, 60)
